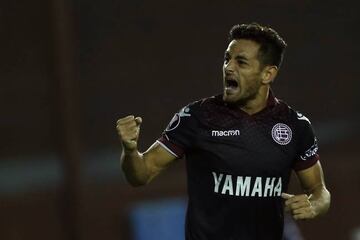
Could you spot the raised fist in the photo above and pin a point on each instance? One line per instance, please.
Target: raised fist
(128, 129)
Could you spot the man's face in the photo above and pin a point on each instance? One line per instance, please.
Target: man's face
(241, 71)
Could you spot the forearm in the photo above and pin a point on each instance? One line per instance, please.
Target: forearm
(320, 200)
(134, 167)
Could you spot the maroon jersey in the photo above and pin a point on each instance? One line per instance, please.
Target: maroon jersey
(238, 165)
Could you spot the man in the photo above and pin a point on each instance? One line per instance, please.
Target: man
(240, 148)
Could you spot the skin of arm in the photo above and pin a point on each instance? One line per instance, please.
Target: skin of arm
(139, 168)
(315, 201)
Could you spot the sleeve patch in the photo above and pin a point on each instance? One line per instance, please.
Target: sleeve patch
(302, 165)
(312, 151)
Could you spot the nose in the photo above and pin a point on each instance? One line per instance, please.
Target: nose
(229, 67)
(228, 72)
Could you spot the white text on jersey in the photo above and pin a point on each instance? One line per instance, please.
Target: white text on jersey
(247, 186)
(227, 133)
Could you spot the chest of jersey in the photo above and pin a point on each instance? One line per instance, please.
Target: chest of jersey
(248, 148)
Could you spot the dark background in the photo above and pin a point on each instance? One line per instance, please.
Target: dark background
(70, 69)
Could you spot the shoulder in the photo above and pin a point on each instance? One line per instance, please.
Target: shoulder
(188, 115)
(200, 105)
(298, 122)
(295, 116)
(202, 112)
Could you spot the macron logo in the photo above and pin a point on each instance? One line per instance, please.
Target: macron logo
(227, 133)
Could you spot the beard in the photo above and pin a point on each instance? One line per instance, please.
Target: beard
(250, 94)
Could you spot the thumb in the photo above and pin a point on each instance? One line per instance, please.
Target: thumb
(286, 196)
(138, 120)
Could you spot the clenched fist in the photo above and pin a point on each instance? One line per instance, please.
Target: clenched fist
(128, 129)
(299, 206)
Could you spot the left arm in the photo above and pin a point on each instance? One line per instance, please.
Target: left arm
(315, 201)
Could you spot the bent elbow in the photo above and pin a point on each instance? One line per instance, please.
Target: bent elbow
(328, 199)
(136, 183)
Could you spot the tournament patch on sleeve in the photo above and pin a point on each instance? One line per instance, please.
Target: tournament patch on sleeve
(308, 145)
(179, 133)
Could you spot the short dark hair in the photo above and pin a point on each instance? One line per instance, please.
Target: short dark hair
(272, 46)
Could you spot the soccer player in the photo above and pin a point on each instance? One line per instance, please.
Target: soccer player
(240, 146)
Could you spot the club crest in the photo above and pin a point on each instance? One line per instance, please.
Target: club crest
(281, 133)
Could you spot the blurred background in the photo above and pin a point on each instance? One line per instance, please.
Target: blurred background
(70, 69)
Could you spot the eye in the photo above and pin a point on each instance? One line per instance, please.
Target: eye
(226, 59)
(241, 62)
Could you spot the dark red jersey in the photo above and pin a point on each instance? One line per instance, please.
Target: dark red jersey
(238, 165)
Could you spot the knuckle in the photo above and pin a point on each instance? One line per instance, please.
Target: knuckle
(132, 129)
(131, 124)
(128, 125)
(125, 119)
(120, 131)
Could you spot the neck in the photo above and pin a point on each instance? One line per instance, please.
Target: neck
(258, 103)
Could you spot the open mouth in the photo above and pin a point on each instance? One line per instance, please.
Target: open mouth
(230, 83)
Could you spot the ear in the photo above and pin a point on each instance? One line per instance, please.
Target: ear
(268, 74)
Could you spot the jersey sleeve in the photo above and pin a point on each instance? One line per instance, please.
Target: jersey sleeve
(307, 154)
(179, 135)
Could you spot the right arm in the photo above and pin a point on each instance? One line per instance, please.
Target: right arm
(140, 168)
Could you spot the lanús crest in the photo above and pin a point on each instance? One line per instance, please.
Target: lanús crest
(281, 133)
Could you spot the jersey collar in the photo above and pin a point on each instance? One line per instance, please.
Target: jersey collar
(272, 101)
